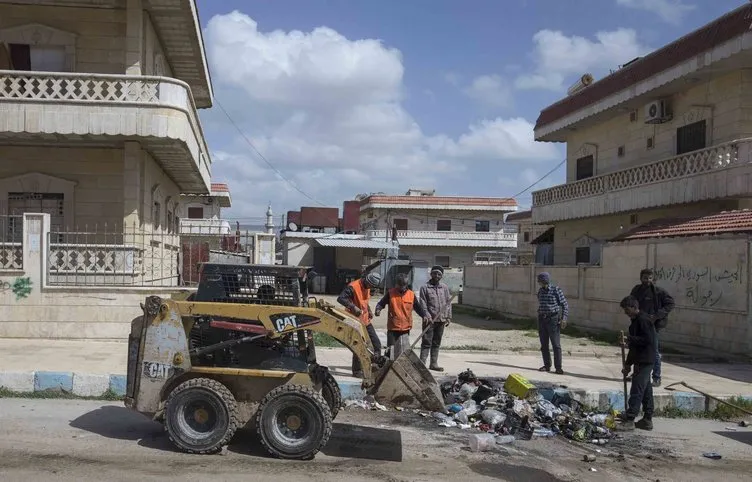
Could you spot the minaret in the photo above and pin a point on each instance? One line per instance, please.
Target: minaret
(269, 220)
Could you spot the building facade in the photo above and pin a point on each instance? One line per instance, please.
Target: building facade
(442, 230)
(202, 214)
(667, 135)
(527, 232)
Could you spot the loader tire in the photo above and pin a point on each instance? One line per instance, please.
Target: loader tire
(293, 422)
(332, 394)
(201, 416)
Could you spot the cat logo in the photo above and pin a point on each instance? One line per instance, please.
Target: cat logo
(287, 321)
(157, 370)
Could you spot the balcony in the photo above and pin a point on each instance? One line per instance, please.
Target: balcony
(105, 110)
(204, 227)
(715, 173)
(468, 239)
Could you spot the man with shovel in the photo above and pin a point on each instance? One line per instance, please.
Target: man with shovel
(641, 356)
(437, 302)
(401, 303)
(356, 297)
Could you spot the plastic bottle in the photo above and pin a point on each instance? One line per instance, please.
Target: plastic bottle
(542, 432)
(462, 417)
(504, 439)
(482, 442)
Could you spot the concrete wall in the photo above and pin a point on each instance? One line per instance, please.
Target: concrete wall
(298, 251)
(603, 228)
(97, 174)
(463, 221)
(711, 292)
(719, 101)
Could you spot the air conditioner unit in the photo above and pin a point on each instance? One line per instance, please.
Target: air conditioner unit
(658, 112)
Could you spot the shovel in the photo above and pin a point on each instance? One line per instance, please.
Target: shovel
(623, 364)
(405, 381)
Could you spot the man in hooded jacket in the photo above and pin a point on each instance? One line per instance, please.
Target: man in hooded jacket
(356, 297)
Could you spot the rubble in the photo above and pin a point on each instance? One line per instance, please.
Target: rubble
(517, 409)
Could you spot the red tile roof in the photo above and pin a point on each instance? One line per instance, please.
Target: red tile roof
(726, 222)
(441, 200)
(519, 216)
(219, 187)
(718, 31)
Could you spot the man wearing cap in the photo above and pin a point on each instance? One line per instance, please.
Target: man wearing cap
(355, 297)
(400, 301)
(553, 311)
(437, 303)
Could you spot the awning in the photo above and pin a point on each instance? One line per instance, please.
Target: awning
(353, 243)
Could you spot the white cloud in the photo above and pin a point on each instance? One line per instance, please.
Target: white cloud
(559, 58)
(452, 78)
(327, 112)
(489, 90)
(670, 11)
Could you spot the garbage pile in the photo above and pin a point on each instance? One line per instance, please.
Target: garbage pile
(515, 410)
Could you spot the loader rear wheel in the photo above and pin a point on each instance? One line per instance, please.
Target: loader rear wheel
(201, 416)
(294, 422)
(332, 394)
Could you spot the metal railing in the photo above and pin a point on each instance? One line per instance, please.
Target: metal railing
(11, 242)
(445, 235)
(137, 256)
(697, 162)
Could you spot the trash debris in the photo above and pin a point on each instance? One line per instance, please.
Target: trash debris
(493, 417)
(588, 458)
(504, 439)
(592, 469)
(712, 455)
(744, 423)
(518, 386)
(482, 442)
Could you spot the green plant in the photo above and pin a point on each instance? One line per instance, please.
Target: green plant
(324, 340)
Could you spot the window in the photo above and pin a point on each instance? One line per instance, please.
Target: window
(585, 167)
(195, 213)
(40, 58)
(443, 225)
(170, 223)
(526, 236)
(482, 226)
(620, 151)
(400, 224)
(50, 203)
(691, 137)
(650, 142)
(156, 220)
(633, 116)
(442, 261)
(633, 219)
(582, 255)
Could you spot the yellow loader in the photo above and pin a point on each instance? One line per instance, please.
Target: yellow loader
(240, 351)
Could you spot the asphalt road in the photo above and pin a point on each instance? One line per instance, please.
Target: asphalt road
(60, 440)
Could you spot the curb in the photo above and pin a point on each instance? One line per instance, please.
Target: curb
(91, 385)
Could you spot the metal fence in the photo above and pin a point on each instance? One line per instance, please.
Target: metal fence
(11, 242)
(137, 256)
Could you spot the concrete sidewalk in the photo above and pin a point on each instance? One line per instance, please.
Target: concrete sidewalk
(89, 368)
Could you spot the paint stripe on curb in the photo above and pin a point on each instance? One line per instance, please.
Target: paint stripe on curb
(93, 385)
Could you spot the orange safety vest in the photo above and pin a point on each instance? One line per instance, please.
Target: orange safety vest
(400, 310)
(362, 296)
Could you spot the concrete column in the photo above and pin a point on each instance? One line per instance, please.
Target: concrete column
(134, 37)
(133, 161)
(36, 229)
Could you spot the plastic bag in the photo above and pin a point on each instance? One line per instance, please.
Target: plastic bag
(467, 390)
(493, 417)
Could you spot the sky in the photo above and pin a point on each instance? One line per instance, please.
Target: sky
(317, 101)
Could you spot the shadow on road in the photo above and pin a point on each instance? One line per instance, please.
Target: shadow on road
(731, 371)
(348, 441)
(512, 473)
(741, 437)
(566, 373)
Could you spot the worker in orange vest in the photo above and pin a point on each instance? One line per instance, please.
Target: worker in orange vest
(401, 303)
(356, 297)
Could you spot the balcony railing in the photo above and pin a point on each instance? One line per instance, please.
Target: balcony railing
(103, 89)
(209, 227)
(445, 235)
(697, 162)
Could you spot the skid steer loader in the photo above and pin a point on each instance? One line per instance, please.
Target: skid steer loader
(240, 351)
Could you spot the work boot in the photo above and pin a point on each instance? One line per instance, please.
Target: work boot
(435, 362)
(423, 356)
(657, 382)
(644, 424)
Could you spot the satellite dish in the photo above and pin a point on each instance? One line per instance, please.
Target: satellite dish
(292, 227)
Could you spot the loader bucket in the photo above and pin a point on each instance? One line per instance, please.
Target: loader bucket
(406, 382)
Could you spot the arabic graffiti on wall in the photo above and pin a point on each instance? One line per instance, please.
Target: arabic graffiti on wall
(21, 287)
(704, 286)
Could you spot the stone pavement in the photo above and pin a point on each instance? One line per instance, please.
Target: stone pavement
(89, 368)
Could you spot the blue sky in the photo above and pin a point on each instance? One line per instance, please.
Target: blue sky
(440, 102)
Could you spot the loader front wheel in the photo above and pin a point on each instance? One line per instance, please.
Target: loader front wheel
(332, 394)
(201, 416)
(294, 422)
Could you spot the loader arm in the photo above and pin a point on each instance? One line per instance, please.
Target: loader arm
(279, 321)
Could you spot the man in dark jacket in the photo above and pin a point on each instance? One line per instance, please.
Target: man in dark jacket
(657, 304)
(641, 342)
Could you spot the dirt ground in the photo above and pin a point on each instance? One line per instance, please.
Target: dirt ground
(86, 440)
(471, 332)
